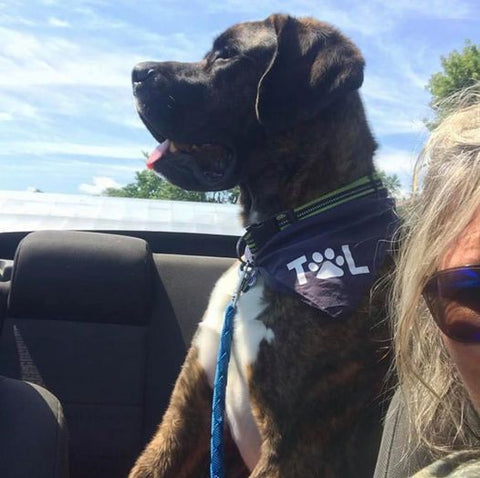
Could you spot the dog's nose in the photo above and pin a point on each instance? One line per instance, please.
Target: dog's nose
(143, 71)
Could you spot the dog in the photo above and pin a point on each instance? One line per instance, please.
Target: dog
(274, 108)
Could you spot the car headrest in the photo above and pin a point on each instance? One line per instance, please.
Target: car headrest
(82, 276)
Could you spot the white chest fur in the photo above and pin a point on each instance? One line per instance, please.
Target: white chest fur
(248, 334)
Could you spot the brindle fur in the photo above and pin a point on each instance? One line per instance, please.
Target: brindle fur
(314, 397)
(297, 126)
(181, 445)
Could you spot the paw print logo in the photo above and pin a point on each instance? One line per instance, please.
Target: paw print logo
(324, 265)
(327, 265)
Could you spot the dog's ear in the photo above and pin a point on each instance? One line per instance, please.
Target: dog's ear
(313, 64)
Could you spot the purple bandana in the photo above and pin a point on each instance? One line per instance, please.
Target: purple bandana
(332, 258)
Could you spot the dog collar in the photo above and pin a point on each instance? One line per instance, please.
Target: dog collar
(259, 234)
(330, 250)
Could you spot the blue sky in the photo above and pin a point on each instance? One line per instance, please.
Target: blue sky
(67, 117)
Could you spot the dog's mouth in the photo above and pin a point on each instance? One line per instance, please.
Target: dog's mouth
(192, 166)
(196, 167)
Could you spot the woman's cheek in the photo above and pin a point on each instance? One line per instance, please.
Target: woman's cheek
(466, 358)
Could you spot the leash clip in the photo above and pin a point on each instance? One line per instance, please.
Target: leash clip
(248, 278)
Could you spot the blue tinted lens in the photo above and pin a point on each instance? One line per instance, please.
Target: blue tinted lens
(460, 278)
(453, 297)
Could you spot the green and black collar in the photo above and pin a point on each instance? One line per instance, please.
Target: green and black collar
(258, 235)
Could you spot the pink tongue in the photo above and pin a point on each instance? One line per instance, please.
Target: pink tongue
(157, 153)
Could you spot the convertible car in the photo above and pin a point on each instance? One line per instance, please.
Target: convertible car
(95, 324)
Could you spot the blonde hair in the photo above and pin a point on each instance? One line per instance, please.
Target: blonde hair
(433, 393)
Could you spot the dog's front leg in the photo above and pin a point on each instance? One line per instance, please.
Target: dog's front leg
(180, 446)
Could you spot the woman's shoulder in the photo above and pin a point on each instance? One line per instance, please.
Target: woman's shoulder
(463, 464)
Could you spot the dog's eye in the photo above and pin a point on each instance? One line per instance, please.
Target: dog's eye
(226, 54)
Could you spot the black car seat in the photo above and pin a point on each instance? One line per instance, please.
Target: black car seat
(33, 435)
(88, 319)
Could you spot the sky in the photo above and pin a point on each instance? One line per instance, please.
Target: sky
(67, 118)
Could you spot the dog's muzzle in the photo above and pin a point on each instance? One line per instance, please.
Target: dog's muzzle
(195, 166)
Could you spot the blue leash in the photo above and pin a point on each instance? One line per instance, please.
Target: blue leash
(217, 465)
(217, 468)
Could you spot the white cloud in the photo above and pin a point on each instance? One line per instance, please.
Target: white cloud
(346, 19)
(395, 161)
(399, 162)
(394, 89)
(57, 61)
(14, 107)
(453, 9)
(50, 81)
(70, 167)
(58, 23)
(40, 148)
(367, 18)
(99, 184)
(33, 59)
(389, 120)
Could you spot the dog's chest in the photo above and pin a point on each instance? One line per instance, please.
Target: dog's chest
(249, 332)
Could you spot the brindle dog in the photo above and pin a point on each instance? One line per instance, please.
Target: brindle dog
(274, 108)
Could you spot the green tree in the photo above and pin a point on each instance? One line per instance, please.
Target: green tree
(391, 182)
(148, 185)
(460, 70)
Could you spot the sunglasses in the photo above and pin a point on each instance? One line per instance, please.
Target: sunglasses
(453, 297)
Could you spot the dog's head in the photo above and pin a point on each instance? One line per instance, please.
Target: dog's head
(259, 79)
